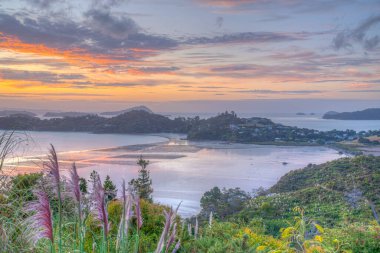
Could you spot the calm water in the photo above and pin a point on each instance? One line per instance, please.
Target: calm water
(180, 172)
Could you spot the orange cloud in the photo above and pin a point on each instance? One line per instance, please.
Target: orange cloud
(75, 55)
(360, 86)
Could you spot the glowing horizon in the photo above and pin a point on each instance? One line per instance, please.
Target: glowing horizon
(100, 51)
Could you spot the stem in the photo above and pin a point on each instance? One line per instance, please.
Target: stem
(59, 218)
(105, 245)
(81, 248)
(52, 247)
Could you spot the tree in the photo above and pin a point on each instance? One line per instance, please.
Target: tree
(93, 178)
(223, 202)
(109, 188)
(143, 184)
(83, 185)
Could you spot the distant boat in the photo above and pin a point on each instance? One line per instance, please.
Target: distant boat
(285, 163)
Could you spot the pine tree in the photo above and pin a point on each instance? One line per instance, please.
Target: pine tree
(143, 184)
(109, 188)
(93, 178)
(83, 185)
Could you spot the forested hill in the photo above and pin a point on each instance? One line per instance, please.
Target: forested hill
(367, 114)
(333, 194)
(355, 178)
(226, 126)
(220, 127)
(129, 122)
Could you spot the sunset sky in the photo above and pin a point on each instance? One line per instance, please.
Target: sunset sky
(92, 54)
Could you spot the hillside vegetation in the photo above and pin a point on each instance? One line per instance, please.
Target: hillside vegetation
(341, 196)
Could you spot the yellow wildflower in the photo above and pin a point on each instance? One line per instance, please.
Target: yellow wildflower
(318, 238)
(261, 248)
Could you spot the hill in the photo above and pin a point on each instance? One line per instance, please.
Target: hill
(130, 122)
(333, 193)
(367, 114)
(226, 126)
(6, 113)
(65, 114)
(136, 108)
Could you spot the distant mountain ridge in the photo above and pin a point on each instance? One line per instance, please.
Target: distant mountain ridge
(66, 114)
(6, 113)
(136, 108)
(367, 114)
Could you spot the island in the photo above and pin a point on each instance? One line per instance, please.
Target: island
(367, 114)
(226, 127)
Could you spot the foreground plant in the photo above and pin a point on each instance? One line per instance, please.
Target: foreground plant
(122, 238)
(52, 166)
(40, 224)
(74, 185)
(169, 233)
(101, 212)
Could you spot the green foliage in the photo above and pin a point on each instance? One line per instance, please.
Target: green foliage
(83, 185)
(22, 187)
(357, 237)
(110, 188)
(143, 184)
(356, 178)
(223, 202)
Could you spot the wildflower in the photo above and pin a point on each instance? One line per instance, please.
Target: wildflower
(261, 248)
(318, 238)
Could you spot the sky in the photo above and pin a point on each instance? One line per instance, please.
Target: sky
(189, 55)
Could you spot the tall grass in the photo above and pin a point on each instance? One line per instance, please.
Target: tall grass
(53, 215)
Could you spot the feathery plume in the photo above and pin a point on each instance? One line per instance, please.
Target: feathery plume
(100, 205)
(169, 232)
(74, 183)
(52, 165)
(40, 224)
(171, 238)
(126, 215)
